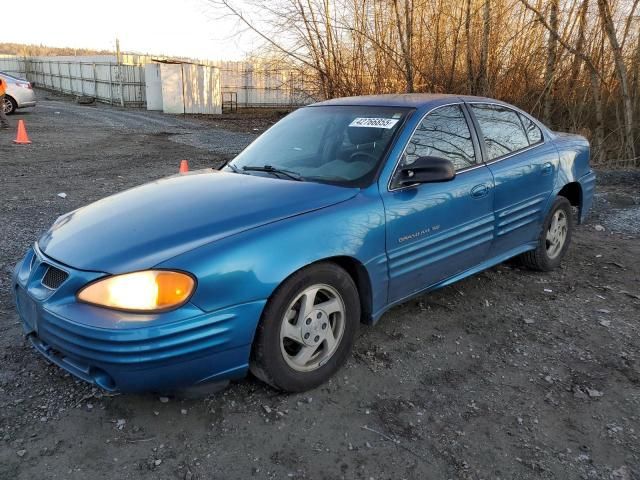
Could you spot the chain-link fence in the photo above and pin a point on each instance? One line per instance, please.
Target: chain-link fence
(250, 84)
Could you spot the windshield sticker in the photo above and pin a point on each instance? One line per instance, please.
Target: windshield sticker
(374, 122)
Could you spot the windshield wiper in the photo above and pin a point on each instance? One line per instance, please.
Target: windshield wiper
(233, 167)
(275, 171)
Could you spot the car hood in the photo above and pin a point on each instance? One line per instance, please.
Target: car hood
(141, 227)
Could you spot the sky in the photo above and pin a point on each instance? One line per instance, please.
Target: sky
(190, 28)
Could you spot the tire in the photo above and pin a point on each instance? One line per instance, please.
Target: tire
(10, 105)
(298, 355)
(547, 255)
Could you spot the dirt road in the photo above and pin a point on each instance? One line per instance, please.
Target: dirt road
(509, 374)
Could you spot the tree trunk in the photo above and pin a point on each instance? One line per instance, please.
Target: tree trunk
(550, 67)
(636, 77)
(406, 39)
(577, 61)
(621, 73)
(467, 30)
(483, 81)
(598, 140)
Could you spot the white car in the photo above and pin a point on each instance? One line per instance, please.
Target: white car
(19, 94)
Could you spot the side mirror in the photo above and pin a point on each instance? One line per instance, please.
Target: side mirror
(427, 170)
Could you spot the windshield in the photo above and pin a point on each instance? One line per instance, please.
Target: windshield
(342, 145)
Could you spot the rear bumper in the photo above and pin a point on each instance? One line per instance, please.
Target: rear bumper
(186, 347)
(24, 97)
(588, 184)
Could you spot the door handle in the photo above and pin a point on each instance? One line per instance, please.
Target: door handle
(547, 168)
(479, 191)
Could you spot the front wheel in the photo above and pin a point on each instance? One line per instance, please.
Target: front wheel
(554, 239)
(307, 329)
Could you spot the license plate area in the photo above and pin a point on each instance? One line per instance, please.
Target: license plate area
(27, 309)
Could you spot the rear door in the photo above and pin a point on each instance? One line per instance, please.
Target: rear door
(524, 166)
(436, 230)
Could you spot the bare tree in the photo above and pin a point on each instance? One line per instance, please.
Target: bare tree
(467, 30)
(483, 82)
(621, 72)
(575, 63)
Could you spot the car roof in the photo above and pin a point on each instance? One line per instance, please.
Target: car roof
(414, 100)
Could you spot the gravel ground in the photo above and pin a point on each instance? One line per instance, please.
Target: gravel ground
(509, 374)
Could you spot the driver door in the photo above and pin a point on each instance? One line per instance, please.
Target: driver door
(437, 230)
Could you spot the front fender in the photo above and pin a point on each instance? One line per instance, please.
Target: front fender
(249, 266)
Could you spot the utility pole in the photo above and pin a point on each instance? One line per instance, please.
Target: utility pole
(119, 62)
(117, 50)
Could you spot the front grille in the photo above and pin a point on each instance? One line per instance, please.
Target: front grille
(54, 277)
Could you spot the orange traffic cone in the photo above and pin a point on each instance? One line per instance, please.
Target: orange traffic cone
(22, 138)
(184, 166)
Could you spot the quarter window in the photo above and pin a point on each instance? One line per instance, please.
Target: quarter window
(534, 134)
(443, 133)
(501, 128)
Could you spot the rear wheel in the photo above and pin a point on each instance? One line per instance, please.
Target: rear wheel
(307, 329)
(554, 239)
(9, 105)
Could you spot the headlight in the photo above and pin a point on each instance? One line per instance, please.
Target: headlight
(145, 291)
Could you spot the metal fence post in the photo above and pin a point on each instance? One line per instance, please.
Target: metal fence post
(121, 85)
(95, 82)
(110, 84)
(81, 79)
(70, 79)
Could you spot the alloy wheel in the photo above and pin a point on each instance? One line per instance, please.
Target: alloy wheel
(556, 233)
(7, 105)
(312, 328)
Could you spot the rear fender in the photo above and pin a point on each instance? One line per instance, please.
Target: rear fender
(574, 172)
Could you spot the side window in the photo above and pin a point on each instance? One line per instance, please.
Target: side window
(534, 134)
(501, 128)
(443, 133)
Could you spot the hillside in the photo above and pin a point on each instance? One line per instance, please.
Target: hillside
(43, 50)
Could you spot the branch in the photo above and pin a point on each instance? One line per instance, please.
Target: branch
(241, 17)
(586, 59)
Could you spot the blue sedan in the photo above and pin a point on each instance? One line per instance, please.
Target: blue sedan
(338, 212)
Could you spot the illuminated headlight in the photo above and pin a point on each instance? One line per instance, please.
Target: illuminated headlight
(146, 291)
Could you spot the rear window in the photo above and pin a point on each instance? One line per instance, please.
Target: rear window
(534, 134)
(501, 128)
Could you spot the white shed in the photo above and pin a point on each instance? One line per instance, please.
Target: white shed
(153, 86)
(190, 88)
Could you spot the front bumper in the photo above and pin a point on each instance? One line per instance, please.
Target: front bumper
(125, 352)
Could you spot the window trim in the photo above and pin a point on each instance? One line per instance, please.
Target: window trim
(518, 113)
(475, 140)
